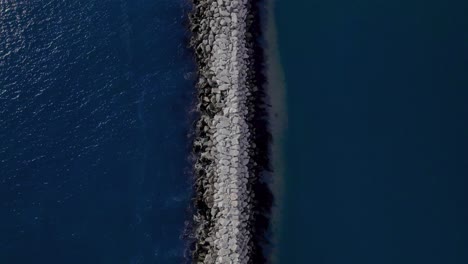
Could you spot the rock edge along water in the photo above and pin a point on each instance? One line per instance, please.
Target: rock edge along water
(231, 138)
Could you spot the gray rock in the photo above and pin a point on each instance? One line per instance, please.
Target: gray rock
(234, 18)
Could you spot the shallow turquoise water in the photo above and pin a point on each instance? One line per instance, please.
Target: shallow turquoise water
(376, 144)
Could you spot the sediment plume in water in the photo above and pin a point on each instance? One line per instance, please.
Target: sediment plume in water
(232, 200)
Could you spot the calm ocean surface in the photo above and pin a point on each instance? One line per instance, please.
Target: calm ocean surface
(377, 142)
(95, 101)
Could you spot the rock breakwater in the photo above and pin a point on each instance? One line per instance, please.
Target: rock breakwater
(231, 135)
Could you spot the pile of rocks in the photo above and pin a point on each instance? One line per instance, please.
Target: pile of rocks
(223, 144)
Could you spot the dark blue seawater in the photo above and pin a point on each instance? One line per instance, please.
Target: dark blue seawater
(377, 142)
(95, 100)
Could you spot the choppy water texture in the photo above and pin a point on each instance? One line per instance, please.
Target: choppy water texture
(377, 146)
(94, 110)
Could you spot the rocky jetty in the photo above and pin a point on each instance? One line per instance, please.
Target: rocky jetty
(229, 133)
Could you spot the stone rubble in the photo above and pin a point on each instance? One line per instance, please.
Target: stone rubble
(223, 143)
